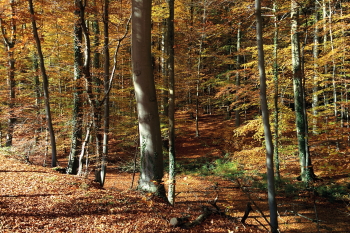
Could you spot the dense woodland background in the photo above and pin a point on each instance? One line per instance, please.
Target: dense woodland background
(216, 77)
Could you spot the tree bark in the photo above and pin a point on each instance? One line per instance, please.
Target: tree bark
(45, 87)
(106, 88)
(266, 122)
(276, 90)
(151, 171)
(301, 123)
(9, 45)
(315, 76)
(171, 115)
(76, 140)
(238, 79)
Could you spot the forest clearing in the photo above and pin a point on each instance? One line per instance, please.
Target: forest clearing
(38, 199)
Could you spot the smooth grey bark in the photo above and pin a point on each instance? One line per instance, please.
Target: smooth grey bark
(266, 122)
(45, 87)
(306, 173)
(77, 133)
(151, 171)
(106, 88)
(171, 115)
(9, 45)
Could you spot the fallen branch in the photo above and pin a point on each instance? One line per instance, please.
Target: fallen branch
(184, 222)
(207, 211)
(252, 201)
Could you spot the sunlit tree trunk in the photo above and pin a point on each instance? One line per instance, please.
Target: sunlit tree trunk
(151, 171)
(266, 122)
(316, 71)
(325, 48)
(10, 41)
(45, 87)
(301, 124)
(335, 101)
(106, 90)
(76, 140)
(171, 115)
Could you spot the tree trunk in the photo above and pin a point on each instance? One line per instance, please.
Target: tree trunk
(171, 115)
(76, 140)
(275, 102)
(106, 88)
(238, 81)
(301, 123)
(9, 45)
(266, 122)
(315, 76)
(151, 171)
(45, 87)
(165, 63)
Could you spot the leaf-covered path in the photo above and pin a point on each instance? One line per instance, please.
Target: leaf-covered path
(38, 199)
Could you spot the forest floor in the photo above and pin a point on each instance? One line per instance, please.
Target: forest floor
(38, 199)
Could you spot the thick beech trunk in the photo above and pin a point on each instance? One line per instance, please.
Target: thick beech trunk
(151, 171)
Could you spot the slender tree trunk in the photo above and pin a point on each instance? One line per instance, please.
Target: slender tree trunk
(171, 115)
(106, 88)
(45, 87)
(197, 110)
(9, 45)
(266, 122)
(12, 95)
(238, 79)
(315, 76)
(96, 65)
(275, 102)
(325, 39)
(151, 171)
(333, 62)
(77, 134)
(199, 63)
(165, 63)
(37, 95)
